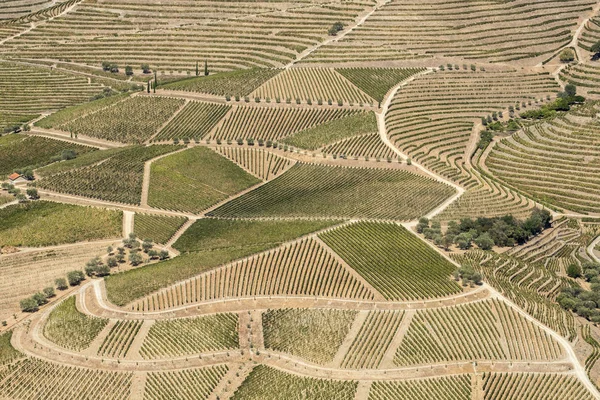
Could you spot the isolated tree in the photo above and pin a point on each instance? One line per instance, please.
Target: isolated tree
(205, 68)
(197, 71)
(128, 70)
(570, 90)
(163, 255)
(596, 48)
(574, 271)
(29, 305)
(21, 198)
(33, 193)
(135, 258)
(335, 28)
(75, 277)
(149, 83)
(61, 283)
(40, 298)
(155, 80)
(145, 68)
(112, 262)
(49, 292)
(147, 245)
(567, 55)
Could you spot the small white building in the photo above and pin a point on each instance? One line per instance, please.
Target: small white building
(16, 178)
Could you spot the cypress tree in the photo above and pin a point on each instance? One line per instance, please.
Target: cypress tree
(149, 82)
(205, 68)
(154, 86)
(155, 80)
(197, 68)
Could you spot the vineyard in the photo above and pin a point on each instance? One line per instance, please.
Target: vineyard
(118, 341)
(311, 84)
(259, 162)
(340, 192)
(235, 83)
(69, 328)
(45, 224)
(377, 82)
(19, 152)
(395, 262)
(188, 384)
(523, 386)
(158, 228)
(191, 336)
(268, 123)
(300, 269)
(452, 388)
(195, 121)
(118, 179)
(194, 180)
(367, 146)
(133, 120)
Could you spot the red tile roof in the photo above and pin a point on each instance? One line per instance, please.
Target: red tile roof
(14, 176)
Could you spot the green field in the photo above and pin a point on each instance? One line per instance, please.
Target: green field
(309, 190)
(42, 223)
(376, 82)
(195, 179)
(212, 243)
(333, 131)
(7, 351)
(20, 151)
(397, 263)
(69, 328)
(83, 160)
(158, 228)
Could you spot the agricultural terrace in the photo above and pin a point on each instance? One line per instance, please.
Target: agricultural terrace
(187, 384)
(211, 243)
(457, 387)
(69, 328)
(270, 123)
(20, 152)
(119, 339)
(334, 131)
(195, 121)
(504, 386)
(133, 120)
(395, 262)
(368, 146)
(265, 34)
(432, 118)
(158, 228)
(118, 179)
(34, 378)
(488, 330)
(377, 82)
(195, 179)
(23, 274)
(235, 84)
(308, 190)
(41, 223)
(263, 164)
(191, 336)
(555, 162)
(584, 76)
(266, 383)
(83, 160)
(518, 31)
(590, 34)
(302, 268)
(16, 8)
(38, 90)
(311, 84)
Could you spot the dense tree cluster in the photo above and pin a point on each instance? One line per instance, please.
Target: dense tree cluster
(335, 28)
(586, 303)
(486, 232)
(467, 275)
(563, 103)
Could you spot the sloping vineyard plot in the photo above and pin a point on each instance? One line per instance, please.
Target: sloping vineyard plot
(333, 131)
(269, 123)
(373, 340)
(300, 269)
(191, 336)
(487, 330)
(314, 335)
(432, 118)
(195, 179)
(36, 379)
(195, 121)
(44, 223)
(117, 179)
(11, 9)
(368, 146)
(448, 388)
(265, 383)
(308, 190)
(264, 34)
(132, 121)
(189, 384)
(584, 76)
(556, 162)
(158, 228)
(119, 339)
(235, 83)
(39, 89)
(376, 82)
(311, 84)
(69, 328)
(18, 152)
(259, 162)
(208, 243)
(487, 31)
(504, 386)
(7, 352)
(532, 287)
(397, 263)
